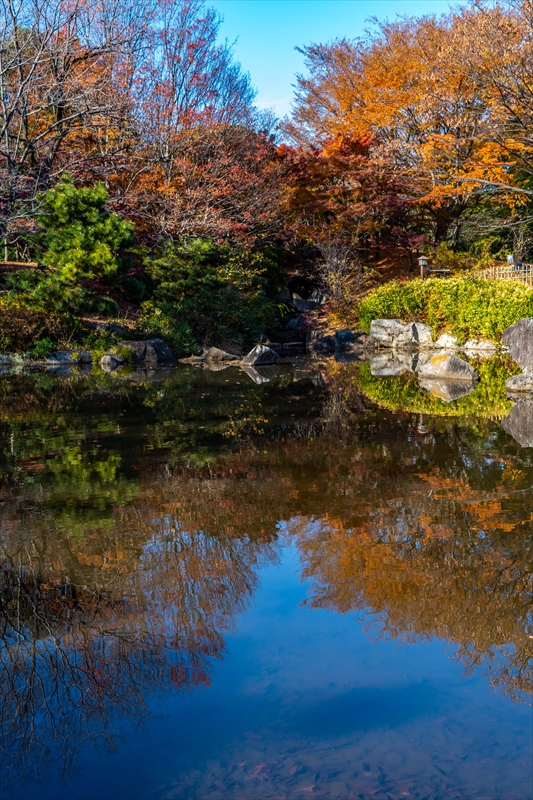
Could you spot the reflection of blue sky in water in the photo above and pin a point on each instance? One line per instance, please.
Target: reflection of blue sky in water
(308, 700)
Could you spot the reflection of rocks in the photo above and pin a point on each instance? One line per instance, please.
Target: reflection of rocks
(110, 362)
(520, 383)
(260, 375)
(447, 390)
(519, 339)
(519, 422)
(445, 366)
(141, 375)
(391, 365)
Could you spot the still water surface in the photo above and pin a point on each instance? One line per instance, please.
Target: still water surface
(213, 587)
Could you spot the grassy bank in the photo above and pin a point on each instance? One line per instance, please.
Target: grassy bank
(463, 306)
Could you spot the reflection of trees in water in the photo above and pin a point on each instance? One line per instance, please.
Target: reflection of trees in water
(115, 587)
(74, 659)
(431, 530)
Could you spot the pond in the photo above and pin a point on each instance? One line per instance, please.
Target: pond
(303, 581)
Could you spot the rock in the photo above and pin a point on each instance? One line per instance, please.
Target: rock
(261, 354)
(520, 383)
(423, 334)
(210, 354)
(390, 365)
(150, 351)
(447, 366)
(110, 362)
(480, 345)
(318, 296)
(386, 331)
(284, 295)
(519, 422)
(341, 338)
(447, 390)
(69, 357)
(398, 334)
(304, 305)
(519, 340)
(447, 342)
(300, 323)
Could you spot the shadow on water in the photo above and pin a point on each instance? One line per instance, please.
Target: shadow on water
(137, 516)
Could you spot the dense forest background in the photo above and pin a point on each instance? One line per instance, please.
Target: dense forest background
(139, 181)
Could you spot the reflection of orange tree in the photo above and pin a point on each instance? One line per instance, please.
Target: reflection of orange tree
(88, 629)
(443, 559)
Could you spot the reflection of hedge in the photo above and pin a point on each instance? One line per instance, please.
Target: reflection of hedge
(467, 307)
(404, 393)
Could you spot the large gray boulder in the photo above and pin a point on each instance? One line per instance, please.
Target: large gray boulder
(150, 351)
(423, 334)
(386, 331)
(398, 334)
(519, 340)
(520, 383)
(261, 354)
(447, 366)
(519, 423)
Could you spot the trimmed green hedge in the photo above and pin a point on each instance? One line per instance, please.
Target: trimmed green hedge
(489, 398)
(464, 306)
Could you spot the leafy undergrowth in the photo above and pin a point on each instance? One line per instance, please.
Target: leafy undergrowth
(467, 307)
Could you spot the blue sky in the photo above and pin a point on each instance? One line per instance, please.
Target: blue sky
(269, 30)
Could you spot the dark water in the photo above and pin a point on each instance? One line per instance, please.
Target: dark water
(217, 587)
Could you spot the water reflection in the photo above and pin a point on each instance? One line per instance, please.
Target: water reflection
(136, 519)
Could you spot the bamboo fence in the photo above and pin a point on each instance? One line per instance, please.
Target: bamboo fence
(522, 273)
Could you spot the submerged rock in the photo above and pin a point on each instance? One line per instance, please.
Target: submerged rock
(261, 354)
(447, 366)
(447, 390)
(150, 351)
(519, 422)
(519, 340)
